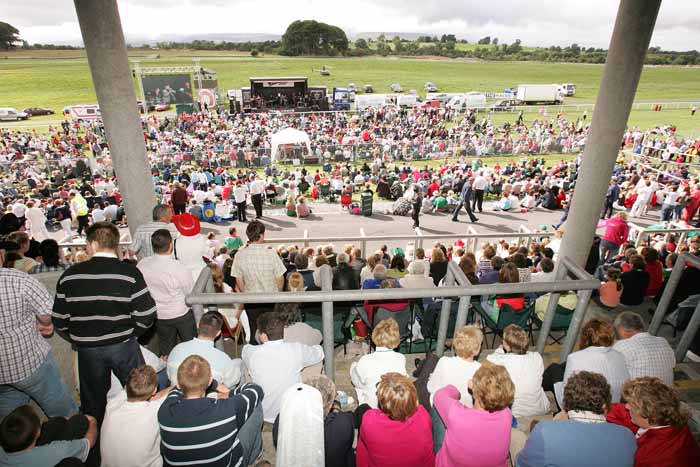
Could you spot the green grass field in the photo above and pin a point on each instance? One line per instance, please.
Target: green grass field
(57, 79)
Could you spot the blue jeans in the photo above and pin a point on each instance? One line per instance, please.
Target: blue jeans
(667, 212)
(45, 386)
(250, 436)
(608, 250)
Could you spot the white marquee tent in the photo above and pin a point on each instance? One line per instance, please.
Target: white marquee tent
(288, 136)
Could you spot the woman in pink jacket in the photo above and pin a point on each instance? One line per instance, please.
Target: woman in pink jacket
(478, 436)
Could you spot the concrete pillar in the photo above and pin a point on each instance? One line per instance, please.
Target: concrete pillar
(102, 33)
(628, 46)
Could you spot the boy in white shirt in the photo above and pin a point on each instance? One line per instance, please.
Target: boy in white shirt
(130, 434)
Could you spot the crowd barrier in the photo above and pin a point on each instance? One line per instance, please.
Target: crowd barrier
(641, 234)
(457, 287)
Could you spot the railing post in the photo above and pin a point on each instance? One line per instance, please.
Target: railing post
(363, 242)
(444, 316)
(584, 297)
(306, 236)
(419, 239)
(551, 309)
(688, 334)
(666, 297)
(474, 240)
(327, 316)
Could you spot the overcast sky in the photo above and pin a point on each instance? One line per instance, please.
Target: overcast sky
(535, 22)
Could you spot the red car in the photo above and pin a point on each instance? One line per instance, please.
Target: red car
(34, 111)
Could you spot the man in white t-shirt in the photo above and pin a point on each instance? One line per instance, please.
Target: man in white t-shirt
(479, 186)
(130, 431)
(257, 189)
(240, 195)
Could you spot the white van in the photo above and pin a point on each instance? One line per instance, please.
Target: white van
(470, 100)
(407, 100)
(11, 114)
(83, 112)
(376, 101)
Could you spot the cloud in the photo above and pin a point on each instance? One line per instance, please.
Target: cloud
(535, 22)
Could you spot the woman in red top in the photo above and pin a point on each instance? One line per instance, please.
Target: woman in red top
(400, 432)
(654, 415)
(655, 270)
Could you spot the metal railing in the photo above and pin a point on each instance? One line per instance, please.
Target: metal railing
(639, 234)
(662, 308)
(456, 287)
(471, 238)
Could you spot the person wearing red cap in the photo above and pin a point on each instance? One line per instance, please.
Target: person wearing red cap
(191, 247)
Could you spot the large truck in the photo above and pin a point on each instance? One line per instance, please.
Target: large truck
(539, 94)
(470, 100)
(363, 101)
(341, 99)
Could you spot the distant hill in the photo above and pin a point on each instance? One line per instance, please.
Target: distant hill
(242, 37)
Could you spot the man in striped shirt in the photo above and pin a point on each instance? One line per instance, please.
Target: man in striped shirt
(102, 306)
(203, 431)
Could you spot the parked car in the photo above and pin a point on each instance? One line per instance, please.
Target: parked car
(504, 105)
(352, 87)
(430, 87)
(396, 87)
(35, 111)
(10, 113)
(367, 88)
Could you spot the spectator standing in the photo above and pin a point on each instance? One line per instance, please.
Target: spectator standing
(257, 189)
(169, 282)
(191, 246)
(79, 210)
(465, 201)
(102, 305)
(28, 369)
(179, 199)
(162, 218)
(480, 184)
(616, 233)
(257, 268)
(240, 195)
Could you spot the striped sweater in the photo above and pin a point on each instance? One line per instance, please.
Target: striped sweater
(204, 431)
(102, 301)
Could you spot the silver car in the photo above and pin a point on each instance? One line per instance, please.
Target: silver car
(396, 87)
(430, 87)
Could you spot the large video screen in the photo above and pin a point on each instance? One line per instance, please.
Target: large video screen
(168, 89)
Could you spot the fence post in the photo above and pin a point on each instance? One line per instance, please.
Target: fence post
(666, 297)
(561, 273)
(306, 236)
(584, 297)
(327, 316)
(688, 335)
(363, 242)
(419, 240)
(474, 240)
(444, 316)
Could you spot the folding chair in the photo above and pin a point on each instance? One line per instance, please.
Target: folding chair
(506, 317)
(561, 322)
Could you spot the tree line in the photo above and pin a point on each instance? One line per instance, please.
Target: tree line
(313, 38)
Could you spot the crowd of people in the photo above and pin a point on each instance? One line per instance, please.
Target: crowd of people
(154, 376)
(148, 362)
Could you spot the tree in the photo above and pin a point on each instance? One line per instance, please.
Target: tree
(254, 53)
(9, 35)
(313, 38)
(361, 44)
(398, 46)
(495, 41)
(484, 40)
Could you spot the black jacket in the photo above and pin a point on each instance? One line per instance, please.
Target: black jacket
(345, 278)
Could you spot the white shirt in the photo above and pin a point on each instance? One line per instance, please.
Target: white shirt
(368, 371)
(223, 369)
(416, 281)
(455, 371)
(111, 212)
(526, 373)
(169, 281)
(542, 276)
(276, 366)
(604, 360)
(98, 215)
(190, 251)
(130, 434)
(240, 193)
(648, 355)
(18, 209)
(257, 187)
(479, 182)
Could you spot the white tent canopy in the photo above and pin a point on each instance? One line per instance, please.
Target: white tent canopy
(289, 136)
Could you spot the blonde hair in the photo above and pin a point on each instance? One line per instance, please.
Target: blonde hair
(295, 282)
(493, 388)
(386, 334)
(467, 341)
(438, 256)
(193, 375)
(397, 396)
(516, 338)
